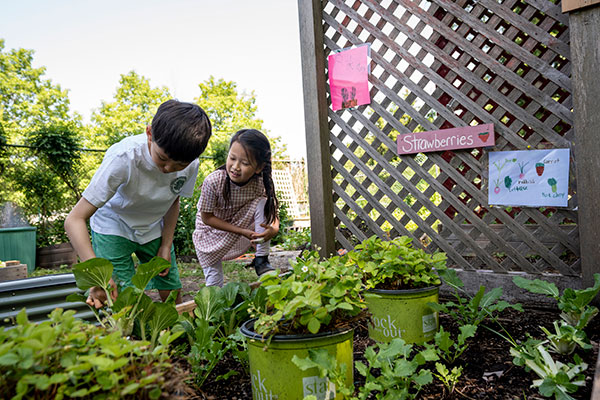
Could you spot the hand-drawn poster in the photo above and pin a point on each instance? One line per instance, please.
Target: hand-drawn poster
(534, 178)
(348, 77)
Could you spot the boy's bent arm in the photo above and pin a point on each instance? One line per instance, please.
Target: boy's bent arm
(76, 228)
(168, 232)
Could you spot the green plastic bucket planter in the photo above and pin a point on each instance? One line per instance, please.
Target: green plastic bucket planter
(275, 376)
(403, 314)
(18, 244)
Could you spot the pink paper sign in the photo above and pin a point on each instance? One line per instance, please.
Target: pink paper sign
(465, 137)
(348, 77)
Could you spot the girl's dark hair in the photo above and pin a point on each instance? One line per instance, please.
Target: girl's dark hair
(181, 130)
(257, 146)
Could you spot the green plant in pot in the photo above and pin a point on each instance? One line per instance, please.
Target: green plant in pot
(312, 308)
(399, 280)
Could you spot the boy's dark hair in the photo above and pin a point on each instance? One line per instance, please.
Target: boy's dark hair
(258, 147)
(181, 130)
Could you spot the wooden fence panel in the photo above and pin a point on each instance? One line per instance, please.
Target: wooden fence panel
(440, 64)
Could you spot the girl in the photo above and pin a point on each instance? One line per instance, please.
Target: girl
(237, 206)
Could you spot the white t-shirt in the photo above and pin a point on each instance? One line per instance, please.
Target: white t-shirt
(132, 194)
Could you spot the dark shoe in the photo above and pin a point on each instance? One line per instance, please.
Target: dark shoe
(261, 265)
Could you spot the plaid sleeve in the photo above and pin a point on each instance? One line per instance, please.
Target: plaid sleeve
(211, 188)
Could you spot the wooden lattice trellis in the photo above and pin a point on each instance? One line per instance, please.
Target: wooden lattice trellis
(440, 64)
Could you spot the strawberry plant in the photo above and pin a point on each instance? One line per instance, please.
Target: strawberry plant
(318, 295)
(395, 264)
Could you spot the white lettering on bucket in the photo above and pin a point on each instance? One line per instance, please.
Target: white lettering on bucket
(387, 326)
(321, 388)
(259, 390)
(430, 322)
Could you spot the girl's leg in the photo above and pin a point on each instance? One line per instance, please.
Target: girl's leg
(262, 249)
(261, 260)
(214, 274)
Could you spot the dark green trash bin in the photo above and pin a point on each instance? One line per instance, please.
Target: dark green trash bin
(18, 244)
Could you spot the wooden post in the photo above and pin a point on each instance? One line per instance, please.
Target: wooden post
(585, 59)
(320, 187)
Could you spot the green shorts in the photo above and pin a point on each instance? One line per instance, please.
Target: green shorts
(118, 251)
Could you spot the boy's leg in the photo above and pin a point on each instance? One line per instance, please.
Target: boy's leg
(117, 250)
(213, 274)
(164, 284)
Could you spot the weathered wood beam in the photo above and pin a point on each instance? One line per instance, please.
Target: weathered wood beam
(320, 189)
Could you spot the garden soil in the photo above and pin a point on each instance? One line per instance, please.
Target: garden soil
(488, 371)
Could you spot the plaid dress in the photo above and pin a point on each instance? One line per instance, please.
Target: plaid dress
(214, 245)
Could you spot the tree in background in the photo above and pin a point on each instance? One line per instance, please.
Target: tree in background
(133, 107)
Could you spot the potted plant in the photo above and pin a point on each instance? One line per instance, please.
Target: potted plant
(312, 308)
(400, 280)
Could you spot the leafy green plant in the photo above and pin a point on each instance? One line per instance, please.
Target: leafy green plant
(469, 310)
(213, 329)
(450, 350)
(395, 264)
(394, 372)
(556, 378)
(132, 304)
(328, 367)
(317, 295)
(448, 377)
(296, 239)
(66, 357)
(565, 338)
(573, 304)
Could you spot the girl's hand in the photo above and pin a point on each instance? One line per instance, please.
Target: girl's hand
(269, 233)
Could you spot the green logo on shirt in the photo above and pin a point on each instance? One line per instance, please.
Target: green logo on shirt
(177, 184)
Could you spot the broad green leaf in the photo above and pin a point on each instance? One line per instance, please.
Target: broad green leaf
(145, 272)
(537, 286)
(165, 316)
(93, 272)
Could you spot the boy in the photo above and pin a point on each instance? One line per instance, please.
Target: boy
(133, 199)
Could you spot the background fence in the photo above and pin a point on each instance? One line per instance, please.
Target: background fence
(434, 65)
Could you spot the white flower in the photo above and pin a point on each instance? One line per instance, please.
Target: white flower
(305, 269)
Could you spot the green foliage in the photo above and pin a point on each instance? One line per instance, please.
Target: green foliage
(449, 349)
(66, 357)
(132, 305)
(212, 331)
(327, 366)
(471, 310)
(394, 372)
(296, 239)
(57, 146)
(395, 264)
(565, 338)
(135, 103)
(447, 377)
(574, 304)
(556, 378)
(312, 298)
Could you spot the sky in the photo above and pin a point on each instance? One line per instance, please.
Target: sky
(86, 45)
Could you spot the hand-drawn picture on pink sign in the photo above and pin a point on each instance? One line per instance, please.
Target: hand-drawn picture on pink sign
(466, 137)
(348, 77)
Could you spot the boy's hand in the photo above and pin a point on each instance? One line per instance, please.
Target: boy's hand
(97, 296)
(164, 252)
